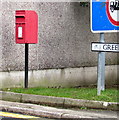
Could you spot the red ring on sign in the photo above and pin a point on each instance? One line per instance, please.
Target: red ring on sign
(116, 23)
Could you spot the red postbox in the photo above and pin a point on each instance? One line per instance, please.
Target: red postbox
(26, 27)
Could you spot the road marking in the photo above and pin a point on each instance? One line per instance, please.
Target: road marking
(13, 115)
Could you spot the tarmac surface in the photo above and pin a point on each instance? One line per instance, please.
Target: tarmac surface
(16, 116)
(10, 116)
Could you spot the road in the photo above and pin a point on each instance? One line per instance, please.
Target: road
(10, 118)
(15, 116)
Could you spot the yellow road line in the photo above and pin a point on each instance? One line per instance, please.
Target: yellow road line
(13, 115)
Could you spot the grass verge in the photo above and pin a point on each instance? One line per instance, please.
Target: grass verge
(109, 95)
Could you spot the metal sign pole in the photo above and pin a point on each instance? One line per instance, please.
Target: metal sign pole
(26, 65)
(101, 68)
(103, 72)
(107, 22)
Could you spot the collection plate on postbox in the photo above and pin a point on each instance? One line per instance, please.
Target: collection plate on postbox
(26, 27)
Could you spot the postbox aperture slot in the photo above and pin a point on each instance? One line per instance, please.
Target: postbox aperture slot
(20, 19)
(18, 16)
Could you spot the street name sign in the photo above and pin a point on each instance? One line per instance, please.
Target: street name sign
(105, 47)
(104, 16)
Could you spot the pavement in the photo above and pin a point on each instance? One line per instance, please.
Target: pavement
(51, 112)
(34, 105)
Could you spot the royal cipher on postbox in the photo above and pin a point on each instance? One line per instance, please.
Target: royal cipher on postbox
(26, 27)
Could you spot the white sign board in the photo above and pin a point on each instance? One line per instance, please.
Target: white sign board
(105, 47)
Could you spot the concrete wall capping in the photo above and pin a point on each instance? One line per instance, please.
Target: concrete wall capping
(69, 77)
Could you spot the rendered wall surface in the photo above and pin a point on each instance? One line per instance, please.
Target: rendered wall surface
(64, 37)
(0, 37)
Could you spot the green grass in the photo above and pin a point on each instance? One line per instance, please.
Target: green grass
(109, 95)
